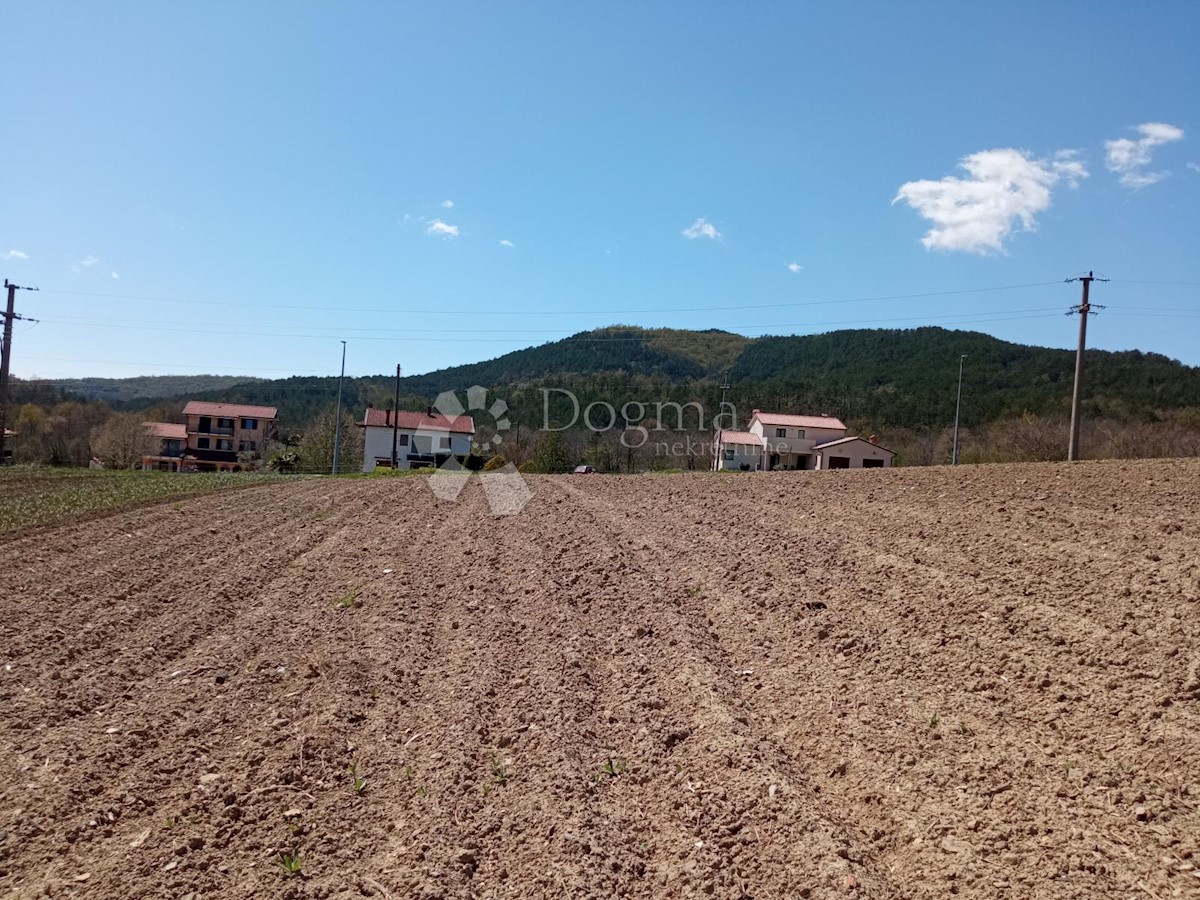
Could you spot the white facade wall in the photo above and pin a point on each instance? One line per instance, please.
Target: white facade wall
(856, 452)
(792, 446)
(743, 454)
(377, 442)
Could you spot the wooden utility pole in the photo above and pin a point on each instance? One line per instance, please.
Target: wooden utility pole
(396, 423)
(10, 316)
(1084, 309)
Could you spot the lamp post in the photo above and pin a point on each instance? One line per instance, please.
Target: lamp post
(957, 410)
(337, 431)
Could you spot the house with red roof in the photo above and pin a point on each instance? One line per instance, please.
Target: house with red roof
(414, 440)
(774, 441)
(215, 437)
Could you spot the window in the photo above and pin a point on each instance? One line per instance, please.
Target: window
(781, 432)
(800, 432)
(250, 425)
(247, 446)
(404, 440)
(224, 444)
(443, 443)
(202, 443)
(224, 423)
(729, 453)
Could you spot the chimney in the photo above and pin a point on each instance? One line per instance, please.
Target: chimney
(387, 417)
(874, 439)
(429, 411)
(755, 412)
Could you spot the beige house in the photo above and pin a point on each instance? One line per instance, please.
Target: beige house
(216, 437)
(774, 441)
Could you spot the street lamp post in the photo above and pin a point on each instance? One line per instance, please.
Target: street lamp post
(337, 431)
(957, 410)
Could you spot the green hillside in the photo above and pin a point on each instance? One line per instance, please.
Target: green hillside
(883, 378)
(125, 391)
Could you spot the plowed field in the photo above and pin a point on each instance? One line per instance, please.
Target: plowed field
(979, 681)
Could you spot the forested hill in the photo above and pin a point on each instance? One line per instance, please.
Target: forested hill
(884, 377)
(117, 391)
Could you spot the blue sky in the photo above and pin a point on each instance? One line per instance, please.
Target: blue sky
(234, 188)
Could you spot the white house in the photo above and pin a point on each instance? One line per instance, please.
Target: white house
(781, 441)
(421, 438)
(853, 453)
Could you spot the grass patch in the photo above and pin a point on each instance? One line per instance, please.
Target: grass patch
(35, 496)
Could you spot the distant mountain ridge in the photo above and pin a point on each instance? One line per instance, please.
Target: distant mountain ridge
(882, 377)
(146, 387)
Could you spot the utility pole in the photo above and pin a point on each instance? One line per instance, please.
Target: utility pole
(957, 410)
(10, 316)
(720, 412)
(1084, 309)
(337, 431)
(396, 423)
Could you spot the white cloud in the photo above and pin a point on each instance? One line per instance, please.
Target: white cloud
(88, 261)
(701, 228)
(115, 275)
(447, 204)
(507, 243)
(437, 226)
(1006, 189)
(1129, 158)
(1195, 167)
(15, 254)
(795, 267)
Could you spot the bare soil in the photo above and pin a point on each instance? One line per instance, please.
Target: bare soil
(979, 681)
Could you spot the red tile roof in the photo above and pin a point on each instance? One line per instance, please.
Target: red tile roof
(229, 410)
(741, 437)
(166, 430)
(847, 440)
(782, 420)
(419, 421)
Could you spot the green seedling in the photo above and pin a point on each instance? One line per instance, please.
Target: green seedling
(290, 863)
(934, 721)
(499, 771)
(408, 773)
(613, 767)
(423, 790)
(172, 821)
(347, 600)
(360, 784)
(692, 590)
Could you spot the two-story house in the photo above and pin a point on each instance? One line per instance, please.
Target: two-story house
(168, 441)
(775, 441)
(420, 438)
(216, 437)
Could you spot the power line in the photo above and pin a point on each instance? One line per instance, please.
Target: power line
(961, 319)
(450, 310)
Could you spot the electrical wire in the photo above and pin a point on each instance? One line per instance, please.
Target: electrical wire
(324, 332)
(568, 339)
(440, 308)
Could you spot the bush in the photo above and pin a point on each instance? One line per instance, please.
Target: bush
(552, 455)
(494, 463)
